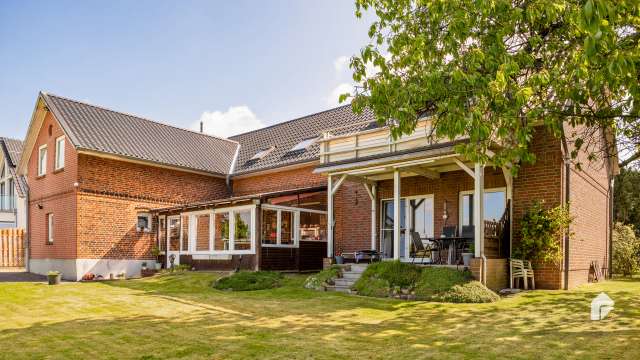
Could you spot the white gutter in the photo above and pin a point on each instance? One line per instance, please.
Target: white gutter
(233, 165)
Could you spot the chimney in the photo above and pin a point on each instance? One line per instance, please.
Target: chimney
(201, 126)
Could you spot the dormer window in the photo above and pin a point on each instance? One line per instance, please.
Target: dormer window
(262, 154)
(304, 144)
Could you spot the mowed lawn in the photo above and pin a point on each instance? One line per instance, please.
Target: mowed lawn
(181, 316)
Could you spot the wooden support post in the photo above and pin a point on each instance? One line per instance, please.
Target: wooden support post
(330, 217)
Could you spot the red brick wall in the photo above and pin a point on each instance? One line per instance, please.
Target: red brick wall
(541, 181)
(52, 193)
(352, 211)
(589, 198)
(113, 192)
(108, 176)
(284, 180)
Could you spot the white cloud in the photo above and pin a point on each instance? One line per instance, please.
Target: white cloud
(333, 99)
(236, 120)
(341, 64)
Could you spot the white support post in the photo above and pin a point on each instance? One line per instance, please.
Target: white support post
(396, 214)
(372, 191)
(478, 209)
(330, 216)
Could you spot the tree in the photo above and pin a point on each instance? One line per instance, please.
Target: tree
(626, 197)
(626, 250)
(493, 70)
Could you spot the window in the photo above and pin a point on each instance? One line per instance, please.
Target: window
(162, 233)
(221, 240)
(2, 174)
(174, 233)
(42, 160)
(184, 241)
(269, 226)
(304, 144)
(494, 206)
(262, 153)
(287, 236)
(313, 226)
(202, 232)
(50, 228)
(144, 222)
(242, 230)
(12, 195)
(59, 163)
(3, 197)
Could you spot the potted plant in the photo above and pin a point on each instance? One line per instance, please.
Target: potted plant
(467, 256)
(54, 277)
(339, 258)
(155, 251)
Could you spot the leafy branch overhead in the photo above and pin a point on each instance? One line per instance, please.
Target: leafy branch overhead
(493, 70)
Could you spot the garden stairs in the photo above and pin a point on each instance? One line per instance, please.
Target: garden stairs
(350, 275)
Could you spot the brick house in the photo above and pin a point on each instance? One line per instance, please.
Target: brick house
(106, 188)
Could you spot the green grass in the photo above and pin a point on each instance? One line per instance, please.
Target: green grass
(181, 316)
(249, 281)
(325, 277)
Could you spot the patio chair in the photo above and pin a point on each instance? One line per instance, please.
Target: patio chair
(449, 231)
(418, 248)
(521, 269)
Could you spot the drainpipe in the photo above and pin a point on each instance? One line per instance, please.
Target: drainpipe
(27, 245)
(567, 170)
(611, 222)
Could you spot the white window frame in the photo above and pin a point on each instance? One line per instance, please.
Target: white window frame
(231, 211)
(59, 153)
(50, 224)
(296, 225)
(42, 167)
(470, 192)
(303, 145)
(149, 228)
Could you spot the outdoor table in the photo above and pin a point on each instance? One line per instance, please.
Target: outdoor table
(452, 243)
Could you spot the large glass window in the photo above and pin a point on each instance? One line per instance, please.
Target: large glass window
(202, 232)
(494, 206)
(174, 234)
(242, 230)
(162, 233)
(313, 226)
(287, 236)
(312, 200)
(185, 233)
(269, 226)
(221, 241)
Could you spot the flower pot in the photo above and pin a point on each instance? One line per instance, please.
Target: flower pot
(339, 260)
(466, 258)
(54, 279)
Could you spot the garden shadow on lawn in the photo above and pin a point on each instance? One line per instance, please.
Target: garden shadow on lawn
(181, 316)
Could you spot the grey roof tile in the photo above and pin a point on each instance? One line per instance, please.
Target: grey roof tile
(14, 147)
(286, 135)
(99, 129)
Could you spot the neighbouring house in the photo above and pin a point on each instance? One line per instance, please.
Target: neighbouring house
(108, 188)
(13, 206)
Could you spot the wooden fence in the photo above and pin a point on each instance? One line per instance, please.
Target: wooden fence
(11, 248)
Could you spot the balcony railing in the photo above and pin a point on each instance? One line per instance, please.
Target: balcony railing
(339, 145)
(7, 203)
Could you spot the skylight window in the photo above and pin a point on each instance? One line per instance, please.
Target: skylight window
(304, 144)
(261, 154)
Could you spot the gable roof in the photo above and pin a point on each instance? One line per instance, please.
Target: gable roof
(95, 128)
(13, 149)
(284, 136)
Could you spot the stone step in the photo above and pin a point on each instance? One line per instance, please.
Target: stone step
(342, 289)
(344, 282)
(351, 275)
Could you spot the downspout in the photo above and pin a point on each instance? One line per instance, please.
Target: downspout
(567, 190)
(231, 168)
(611, 222)
(27, 247)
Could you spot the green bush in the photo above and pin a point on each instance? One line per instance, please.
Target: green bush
(470, 292)
(626, 250)
(435, 280)
(426, 283)
(325, 277)
(542, 231)
(249, 280)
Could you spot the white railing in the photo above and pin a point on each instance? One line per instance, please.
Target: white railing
(372, 142)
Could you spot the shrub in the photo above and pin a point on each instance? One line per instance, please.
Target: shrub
(541, 233)
(470, 292)
(323, 278)
(396, 273)
(249, 280)
(626, 250)
(435, 280)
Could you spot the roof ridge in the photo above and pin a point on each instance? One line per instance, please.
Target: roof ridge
(12, 139)
(289, 121)
(138, 117)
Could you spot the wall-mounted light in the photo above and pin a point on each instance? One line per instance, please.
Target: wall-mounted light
(40, 206)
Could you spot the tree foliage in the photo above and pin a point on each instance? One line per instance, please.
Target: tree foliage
(493, 70)
(627, 198)
(542, 231)
(626, 250)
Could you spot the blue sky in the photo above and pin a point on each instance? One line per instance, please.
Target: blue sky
(236, 65)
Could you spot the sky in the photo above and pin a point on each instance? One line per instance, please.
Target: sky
(235, 65)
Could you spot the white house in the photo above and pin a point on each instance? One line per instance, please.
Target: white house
(13, 189)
